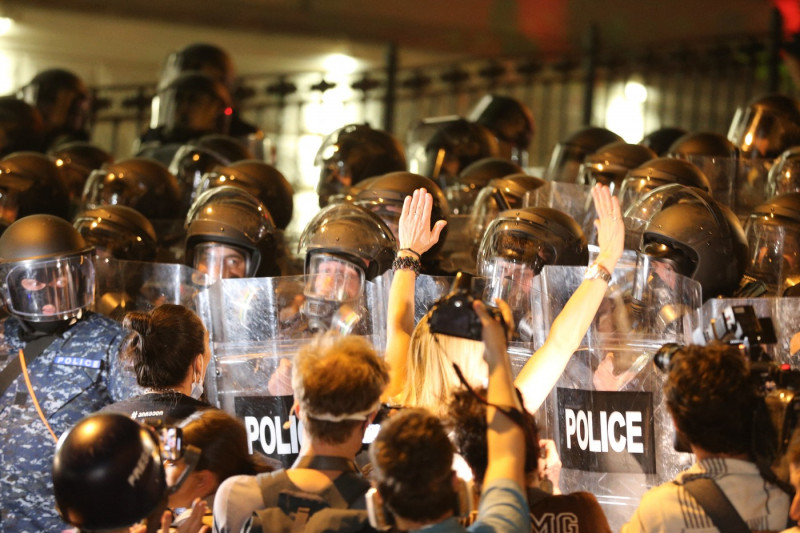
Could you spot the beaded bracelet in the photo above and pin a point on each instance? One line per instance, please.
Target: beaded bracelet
(407, 263)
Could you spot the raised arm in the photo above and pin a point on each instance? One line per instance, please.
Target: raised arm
(506, 439)
(414, 238)
(543, 369)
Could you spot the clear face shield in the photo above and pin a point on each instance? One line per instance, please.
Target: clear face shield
(221, 261)
(754, 130)
(565, 163)
(634, 188)
(510, 281)
(51, 290)
(334, 176)
(774, 254)
(333, 279)
(610, 175)
(656, 286)
(784, 175)
(189, 165)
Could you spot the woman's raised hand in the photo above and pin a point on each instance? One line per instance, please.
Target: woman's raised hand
(414, 229)
(610, 228)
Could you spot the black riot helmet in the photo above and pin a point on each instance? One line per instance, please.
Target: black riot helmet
(784, 175)
(107, 473)
(192, 160)
(143, 184)
(207, 58)
(568, 154)
(21, 127)
(461, 195)
(610, 164)
(699, 238)
(118, 231)
(661, 139)
(76, 160)
(384, 196)
(658, 172)
(500, 194)
(30, 184)
(352, 154)
(439, 148)
(716, 156)
(520, 242)
(511, 122)
(767, 126)
(351, 233)
(773, 239)
(230, 233)
(263, 181)
(46, 269)
(190, 106)
(64, 103)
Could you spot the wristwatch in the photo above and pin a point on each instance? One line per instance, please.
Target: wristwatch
(597, 271)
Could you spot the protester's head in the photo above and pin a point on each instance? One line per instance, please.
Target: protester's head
(222, 441)
(165, 344)
(431, 377)
(711, 398)
(412, 466)
(338, 382)
(467, 416)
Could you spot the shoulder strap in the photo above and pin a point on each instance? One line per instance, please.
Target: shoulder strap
(718, 507)
(13, 369)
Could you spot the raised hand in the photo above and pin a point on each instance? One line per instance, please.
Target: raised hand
(414, 229)
(610, 228)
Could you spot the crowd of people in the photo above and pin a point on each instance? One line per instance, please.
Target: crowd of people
(110, 271)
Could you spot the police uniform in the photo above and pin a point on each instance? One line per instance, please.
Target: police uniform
(77, 374)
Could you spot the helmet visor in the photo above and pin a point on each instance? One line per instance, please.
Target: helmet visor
(510, 281)
(565, 163)
(220, 261)
(758, 132)
(784, 175)
(57, 289)
(332, 278)
(189, 164)
(774, 253)
(112, 240)
(512, 244)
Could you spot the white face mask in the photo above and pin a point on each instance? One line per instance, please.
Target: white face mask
(197, 386)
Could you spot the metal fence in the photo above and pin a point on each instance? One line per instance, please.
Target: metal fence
(696, 87)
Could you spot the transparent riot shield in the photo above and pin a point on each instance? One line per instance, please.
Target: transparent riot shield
(571, 198)
(750, 189)
(458, 252)
(606, 413)
(256, 325)
(784, 315)
(427, 290)
(124, 286)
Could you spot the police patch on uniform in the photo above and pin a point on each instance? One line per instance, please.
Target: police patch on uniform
(77, 361)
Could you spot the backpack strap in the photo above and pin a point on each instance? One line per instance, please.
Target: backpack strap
(716, 505)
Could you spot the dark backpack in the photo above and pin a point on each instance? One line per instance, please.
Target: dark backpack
(340, 507)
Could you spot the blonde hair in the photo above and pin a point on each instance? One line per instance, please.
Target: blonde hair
(337, 375)
(430, 377)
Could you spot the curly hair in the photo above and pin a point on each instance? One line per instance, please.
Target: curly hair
(712, 398)
(466, 415)
(412, 465)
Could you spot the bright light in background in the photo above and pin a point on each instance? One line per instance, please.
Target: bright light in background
(635, 92)
(340, 64)
(625, 111)
(8, 81)
(6, 24)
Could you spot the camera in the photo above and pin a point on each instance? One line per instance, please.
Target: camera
(779, 384)
(453, 314)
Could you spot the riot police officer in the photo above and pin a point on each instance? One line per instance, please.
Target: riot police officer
(31, 184)
(64, 102)
(230, 234)
(352, 154)
(568, 154)
(59, 360)
(345, 246)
